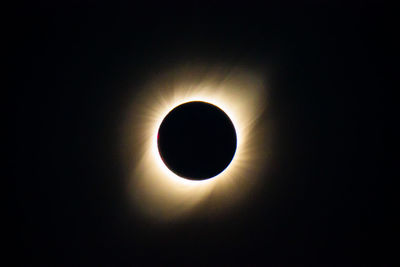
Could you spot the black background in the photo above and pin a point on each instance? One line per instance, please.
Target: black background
(74, 62)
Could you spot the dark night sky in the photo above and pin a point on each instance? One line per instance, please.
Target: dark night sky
(72, 67)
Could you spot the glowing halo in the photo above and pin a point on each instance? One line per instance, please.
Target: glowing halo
(157, 191)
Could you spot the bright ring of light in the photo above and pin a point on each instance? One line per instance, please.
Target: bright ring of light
(156, 190)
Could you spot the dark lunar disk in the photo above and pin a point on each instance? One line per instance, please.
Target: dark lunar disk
(197, 140)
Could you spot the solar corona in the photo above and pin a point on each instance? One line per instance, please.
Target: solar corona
(193, 143)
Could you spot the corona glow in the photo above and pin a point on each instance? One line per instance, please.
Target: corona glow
(156, 191)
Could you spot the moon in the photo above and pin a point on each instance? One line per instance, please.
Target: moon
(197, 140)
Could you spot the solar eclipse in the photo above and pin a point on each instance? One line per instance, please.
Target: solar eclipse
(197, 140)
(193, 143)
